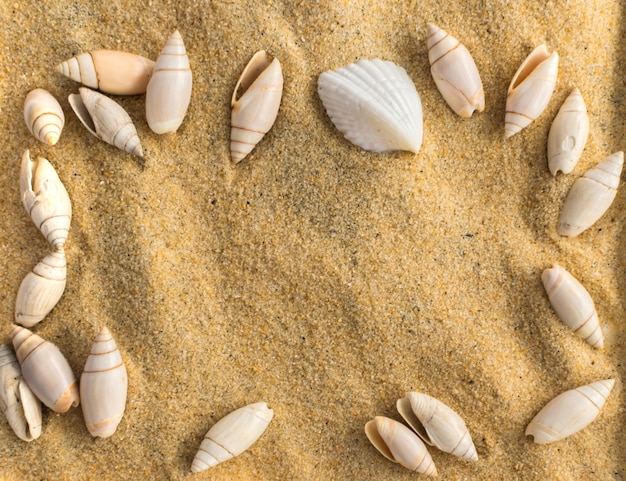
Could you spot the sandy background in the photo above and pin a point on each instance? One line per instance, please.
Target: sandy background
(318, 277)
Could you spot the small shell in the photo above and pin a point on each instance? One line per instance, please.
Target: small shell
(106, 119)
(45, 199)
(110, 71)
(374, 104)
(568, 134)
(232, 435)
(530, 89)
(590, 196)
(17, 401)
(569, 412)
(573, 304)
(399, 444)
(255, 104)
(44, 116)
(454, 72)
(169, 90)
(437, 424)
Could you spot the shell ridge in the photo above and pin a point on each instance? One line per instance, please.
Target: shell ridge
(97, 75)
(450, 50)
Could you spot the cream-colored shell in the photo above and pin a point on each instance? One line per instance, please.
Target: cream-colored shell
(454, 72)
(530, 90)
(569, 412)
(590, 196)
(255, 104)
(232, 435)
(400, 445)
(43, 116)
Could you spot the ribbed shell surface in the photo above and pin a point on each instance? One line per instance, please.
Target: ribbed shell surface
(43, 116)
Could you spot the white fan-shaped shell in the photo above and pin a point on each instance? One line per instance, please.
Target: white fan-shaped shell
(374, 104)
(232, 435)
(530, 89)
(569, 412)
(590, 196)
(43, 116)
(455, 73)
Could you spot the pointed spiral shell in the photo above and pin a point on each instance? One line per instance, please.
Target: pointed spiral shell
(43, 116)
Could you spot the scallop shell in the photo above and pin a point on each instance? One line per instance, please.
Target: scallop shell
(454, 72)
(569, 412)
(232, 435)
(255, 104)
(590, 196)
(43, 116)
(374, 104)
(530, 89)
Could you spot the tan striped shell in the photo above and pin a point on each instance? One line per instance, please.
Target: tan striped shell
(43, 116)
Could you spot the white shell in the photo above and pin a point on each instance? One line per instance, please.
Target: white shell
(437, 424)
(573, 304)
(568, 134)
(255, 104)
(569, 412)
(455, 73)
(374, 104)
(232, 435)
(169, 90)
(399, 444)
(530, 89)
(45, 199)
(43, 116)
(106, 119)
(590, 196)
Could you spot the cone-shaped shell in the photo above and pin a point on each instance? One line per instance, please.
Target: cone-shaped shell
(45, 370)
(454, 72)
(169, 90)
(530, 89)
(255, 104)
(232, 435)
(43, 116)
(573, 304)
(106, 119)
(569, 412)
(374, 104)
(110, 71)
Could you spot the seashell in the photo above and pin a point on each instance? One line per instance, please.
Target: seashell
(530, 89)
(17, 401)
(590, 196)
(374, 104)
(232, 435)
(437, 424)
(110, 71)
(400, 445)
(106, 119)
(454, 72)
(573, 304)
(169, 90)
(44, 116)
(46, 370)
(45, 199)
(255, 104)
(103, 386)
(568, 134)
(569, 412)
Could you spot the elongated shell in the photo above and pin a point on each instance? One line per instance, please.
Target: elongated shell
(399, 444)
(568, 134)
(255, 104)
(573, 304)
(110, 71)
(43, 116)
(232, 435)
(106, 119)
(169, 90)
(530, 89)
(46, 370)
(590, 196)
(17, 401)
(569, 412)
(454, 72)
(374, 104)
(45, 199)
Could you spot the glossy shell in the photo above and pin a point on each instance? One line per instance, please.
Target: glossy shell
(43, 116)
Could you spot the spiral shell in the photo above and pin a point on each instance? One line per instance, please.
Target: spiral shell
(43, 116)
